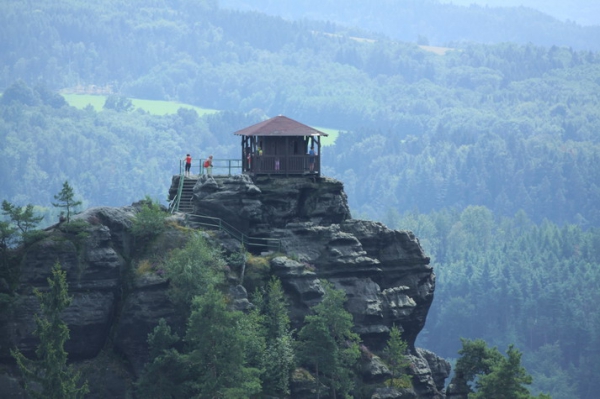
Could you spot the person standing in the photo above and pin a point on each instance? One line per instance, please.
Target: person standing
(311, 159)
(208, 165)
(188, 164)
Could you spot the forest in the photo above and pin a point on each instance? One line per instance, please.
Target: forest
(487, 149)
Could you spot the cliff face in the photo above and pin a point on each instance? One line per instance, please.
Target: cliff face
(385, 274)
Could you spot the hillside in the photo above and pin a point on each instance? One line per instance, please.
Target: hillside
(488, 152)
(443, 22)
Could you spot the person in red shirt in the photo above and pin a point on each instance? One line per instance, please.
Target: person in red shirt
(188, 164)
(208, 165)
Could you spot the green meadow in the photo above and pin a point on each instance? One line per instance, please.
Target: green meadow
(166, 107)
(151, 106)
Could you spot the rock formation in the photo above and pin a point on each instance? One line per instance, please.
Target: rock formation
(385, 274)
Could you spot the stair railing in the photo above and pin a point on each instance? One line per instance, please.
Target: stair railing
(221, 225)
(174, 206)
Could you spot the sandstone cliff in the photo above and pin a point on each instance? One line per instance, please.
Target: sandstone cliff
(385, 274)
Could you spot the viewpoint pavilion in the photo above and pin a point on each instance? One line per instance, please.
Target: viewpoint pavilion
(281, 146)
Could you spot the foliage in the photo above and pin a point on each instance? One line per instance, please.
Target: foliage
(144, 266)
(494, 376)
(218, 348)
(511, 290)
(165, 374)
(118, 103)
(213, 364)
(465, 140)
(481, 125)
(34, 236)
(7, 235)
(22, 218)
(395, 354)
(75, 227)
(257, 272)
(192, 270)
(227, 354)
(66, 200)
(279, 357)
(9, 267)
(327, 344)
(149, 221)
(49, 376)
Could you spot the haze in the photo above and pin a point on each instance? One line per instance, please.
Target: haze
(583, 12)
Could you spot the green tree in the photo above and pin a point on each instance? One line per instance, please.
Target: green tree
(9, 266)
(397, 361)
(493, 376)
(49, 376)
(218, 349)
(7, 236)
(192, 270)
(66, 200)
(148, 223)
(118, 103)
(328, 345)
(506, 380)
(166, 374)
(213, 363)
(22, 218)
(279, 355)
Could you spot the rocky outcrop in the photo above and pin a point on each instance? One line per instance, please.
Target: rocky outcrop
(257, 206)
(385, 274)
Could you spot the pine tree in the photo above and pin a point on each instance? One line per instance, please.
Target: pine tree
(279, 356)
(49, 376)
(218, 353)
(211, 364)
(396, 359)
(493, 375)
(22, 218)
(66, 199)
(328, 345)
(166, 373)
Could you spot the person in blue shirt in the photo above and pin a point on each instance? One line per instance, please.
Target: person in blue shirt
(311, 159)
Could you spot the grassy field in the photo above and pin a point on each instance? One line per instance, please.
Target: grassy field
(154, 107)
(166, 107)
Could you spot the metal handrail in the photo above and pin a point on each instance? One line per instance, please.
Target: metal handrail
(245, 240)
(223, 164)
(174, 206)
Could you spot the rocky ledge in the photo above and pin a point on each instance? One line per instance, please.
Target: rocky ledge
(385, 274)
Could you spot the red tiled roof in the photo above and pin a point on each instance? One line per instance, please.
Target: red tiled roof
(279, 126)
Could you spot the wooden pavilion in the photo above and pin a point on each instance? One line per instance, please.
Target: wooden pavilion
(281, 146)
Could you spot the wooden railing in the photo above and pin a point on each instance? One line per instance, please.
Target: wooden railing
(290, 165)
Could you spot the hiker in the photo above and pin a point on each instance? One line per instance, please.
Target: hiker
(208, 165)
(188, 164)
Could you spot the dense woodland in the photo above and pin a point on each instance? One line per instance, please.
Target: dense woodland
(490, 152)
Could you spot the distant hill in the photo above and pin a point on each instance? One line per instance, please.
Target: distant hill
(440, 23)
(583, 12)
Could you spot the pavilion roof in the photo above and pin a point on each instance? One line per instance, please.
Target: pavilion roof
(279, 126)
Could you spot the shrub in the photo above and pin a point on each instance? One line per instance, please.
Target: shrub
(257, 272)
(150, 220)
(33, 236)
(144, 266)
(192, 270)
